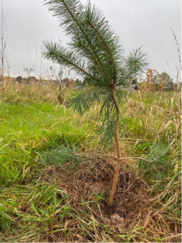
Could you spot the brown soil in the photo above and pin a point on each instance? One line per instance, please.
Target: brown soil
(131, 207)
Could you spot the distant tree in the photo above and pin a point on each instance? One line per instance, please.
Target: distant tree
(155, 81)
(164, 80)
(96, 54)
(19, 79)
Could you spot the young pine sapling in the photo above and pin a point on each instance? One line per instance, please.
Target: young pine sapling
(95, 54)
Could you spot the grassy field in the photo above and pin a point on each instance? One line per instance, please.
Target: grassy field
(55, 177)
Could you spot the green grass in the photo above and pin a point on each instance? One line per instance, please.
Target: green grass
(25, 129)
(33, 132)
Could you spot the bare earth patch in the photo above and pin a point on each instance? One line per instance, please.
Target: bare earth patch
(132, 213)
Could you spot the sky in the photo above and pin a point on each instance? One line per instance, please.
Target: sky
(137, 22)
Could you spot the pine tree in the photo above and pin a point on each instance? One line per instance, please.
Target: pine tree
(95, 53)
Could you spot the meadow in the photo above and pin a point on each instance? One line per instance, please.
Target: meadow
(55, 174)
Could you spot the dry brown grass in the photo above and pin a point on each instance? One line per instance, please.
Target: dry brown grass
(133, 216)
(35, 91)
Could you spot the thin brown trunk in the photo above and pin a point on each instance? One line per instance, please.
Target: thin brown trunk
(118, 163)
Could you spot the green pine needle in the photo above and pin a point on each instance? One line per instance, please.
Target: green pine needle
(96, 54)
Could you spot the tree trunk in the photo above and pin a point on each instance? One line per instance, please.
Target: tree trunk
(118, 163)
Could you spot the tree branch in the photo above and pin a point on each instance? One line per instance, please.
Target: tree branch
(73, 64)
(107, 48)
(83, 32)
(95, 60)
(128, 74)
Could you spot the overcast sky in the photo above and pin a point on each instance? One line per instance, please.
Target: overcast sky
(137, 22)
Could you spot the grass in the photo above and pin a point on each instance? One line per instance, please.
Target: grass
(28, 128)
(44, 199)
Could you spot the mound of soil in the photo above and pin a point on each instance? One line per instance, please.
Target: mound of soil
(133, 212)
(95, 177)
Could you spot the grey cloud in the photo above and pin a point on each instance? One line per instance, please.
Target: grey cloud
(136, 22)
